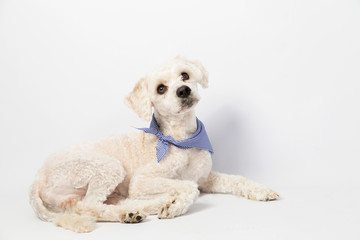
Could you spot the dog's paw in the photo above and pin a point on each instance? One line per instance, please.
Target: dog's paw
(132, 217)
(259, 193)
(262, 194)
(171, 209)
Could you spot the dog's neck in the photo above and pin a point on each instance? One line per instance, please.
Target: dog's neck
(179, 127)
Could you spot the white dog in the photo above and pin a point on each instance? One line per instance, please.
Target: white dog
(124, 178)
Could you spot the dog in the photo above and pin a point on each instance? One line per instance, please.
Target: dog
(123, 178)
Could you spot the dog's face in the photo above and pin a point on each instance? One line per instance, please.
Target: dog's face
(171, 90)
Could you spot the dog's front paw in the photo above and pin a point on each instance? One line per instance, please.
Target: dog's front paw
(264, 194)
(259, 193)
(132, 217)
(171, 209)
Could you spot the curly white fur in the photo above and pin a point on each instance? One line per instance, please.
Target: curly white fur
(119, 179)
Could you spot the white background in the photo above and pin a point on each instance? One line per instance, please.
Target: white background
(282, 107)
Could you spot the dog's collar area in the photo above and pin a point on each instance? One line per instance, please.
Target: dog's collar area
(198, 140)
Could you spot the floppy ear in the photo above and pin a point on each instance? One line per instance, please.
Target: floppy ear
(204, 82)
(139, 100)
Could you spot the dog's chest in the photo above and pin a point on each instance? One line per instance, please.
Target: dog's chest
(190, 164)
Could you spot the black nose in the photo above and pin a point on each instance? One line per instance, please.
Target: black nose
(183, 91)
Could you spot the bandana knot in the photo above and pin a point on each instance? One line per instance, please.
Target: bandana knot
(199, 140)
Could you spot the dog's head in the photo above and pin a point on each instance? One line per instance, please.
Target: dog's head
(171, 89)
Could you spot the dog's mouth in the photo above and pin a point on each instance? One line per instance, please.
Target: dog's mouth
(187, 103)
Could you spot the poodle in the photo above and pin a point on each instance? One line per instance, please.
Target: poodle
(158, 170)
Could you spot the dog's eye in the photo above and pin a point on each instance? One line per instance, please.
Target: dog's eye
(161, 89)
(184, 76)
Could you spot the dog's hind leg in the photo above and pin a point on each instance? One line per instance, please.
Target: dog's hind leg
(84, 217)
(102, 174)
(98, 191)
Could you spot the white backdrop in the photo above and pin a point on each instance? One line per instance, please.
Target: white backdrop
(283, 103)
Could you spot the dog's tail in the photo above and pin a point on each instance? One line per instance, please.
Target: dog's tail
(75, 222)
(38, 205)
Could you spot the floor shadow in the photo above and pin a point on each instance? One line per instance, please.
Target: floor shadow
(197, 207)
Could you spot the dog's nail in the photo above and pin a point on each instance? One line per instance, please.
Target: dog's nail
(138, 218)
(131, 215)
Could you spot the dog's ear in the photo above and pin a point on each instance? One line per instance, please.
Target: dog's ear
(203, 81)
(139, 100)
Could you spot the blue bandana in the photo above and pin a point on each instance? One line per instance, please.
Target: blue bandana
(199, 140)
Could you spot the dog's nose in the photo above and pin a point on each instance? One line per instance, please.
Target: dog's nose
(183, 91)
